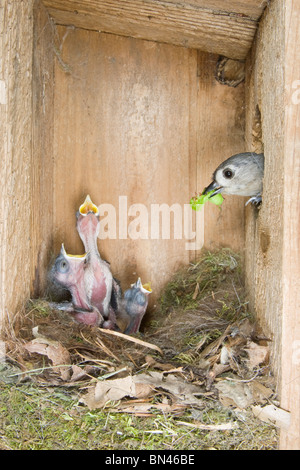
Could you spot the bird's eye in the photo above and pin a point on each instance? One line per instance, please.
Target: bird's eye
(228, 174)
(140, 298)
(128, 294)
(63, 266)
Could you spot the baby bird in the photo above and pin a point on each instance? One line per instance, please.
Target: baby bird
(241, 175)
(68, 271)
(99, 279)
(135, 302)
(96, 296)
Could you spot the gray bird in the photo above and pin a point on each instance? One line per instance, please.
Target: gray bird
(241, 175)
(135, 302)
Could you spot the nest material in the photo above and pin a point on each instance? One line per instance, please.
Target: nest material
(203, 299)
(202, 329)
(202, 355)
(93, 349)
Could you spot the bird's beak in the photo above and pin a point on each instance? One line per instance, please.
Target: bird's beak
(67, 255)
(213, 187)
(62, 250)
(145, 288)
(88, 206)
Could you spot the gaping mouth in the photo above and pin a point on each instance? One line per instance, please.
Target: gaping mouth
(67, 255)
(146, 288)
(213, 187)
(88, 206)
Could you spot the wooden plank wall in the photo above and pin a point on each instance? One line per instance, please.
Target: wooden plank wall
(26, 139)
(147, 121)
(15, 148)
(42, 147)
(264, 234)
(216, 26)
(290, 382)
(272, 234)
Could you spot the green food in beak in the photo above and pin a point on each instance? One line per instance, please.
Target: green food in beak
(197, 202)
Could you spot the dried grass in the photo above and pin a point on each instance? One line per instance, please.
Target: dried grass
(200, 302)
(195, 308)
(202, 317)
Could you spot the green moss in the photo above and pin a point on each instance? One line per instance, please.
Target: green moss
(191, 284)
(42, 418)
(39, 307)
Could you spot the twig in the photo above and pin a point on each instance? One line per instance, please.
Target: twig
(132, 339)
(246, 380)
(236, 292)
(106, 349)
(209, 427)
(111, 374)
(39, 369)
(102, 346)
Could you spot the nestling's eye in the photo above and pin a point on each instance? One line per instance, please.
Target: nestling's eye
(63, 266)
(228, 173)
(140, 298)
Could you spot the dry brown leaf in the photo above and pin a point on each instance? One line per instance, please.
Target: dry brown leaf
(257, 354)
(113, 390)
(139, 386)
(242, 393)
(232, 393)
(57, 353)
(260, 392)
(182, 391)
(78, 373)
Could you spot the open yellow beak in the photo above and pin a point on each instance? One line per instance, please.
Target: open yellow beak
(67, 255)
(88, 206)
(147, 287)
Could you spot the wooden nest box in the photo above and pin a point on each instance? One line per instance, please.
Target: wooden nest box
(136, 102)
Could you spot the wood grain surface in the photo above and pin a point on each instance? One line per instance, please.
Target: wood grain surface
(225, 28)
